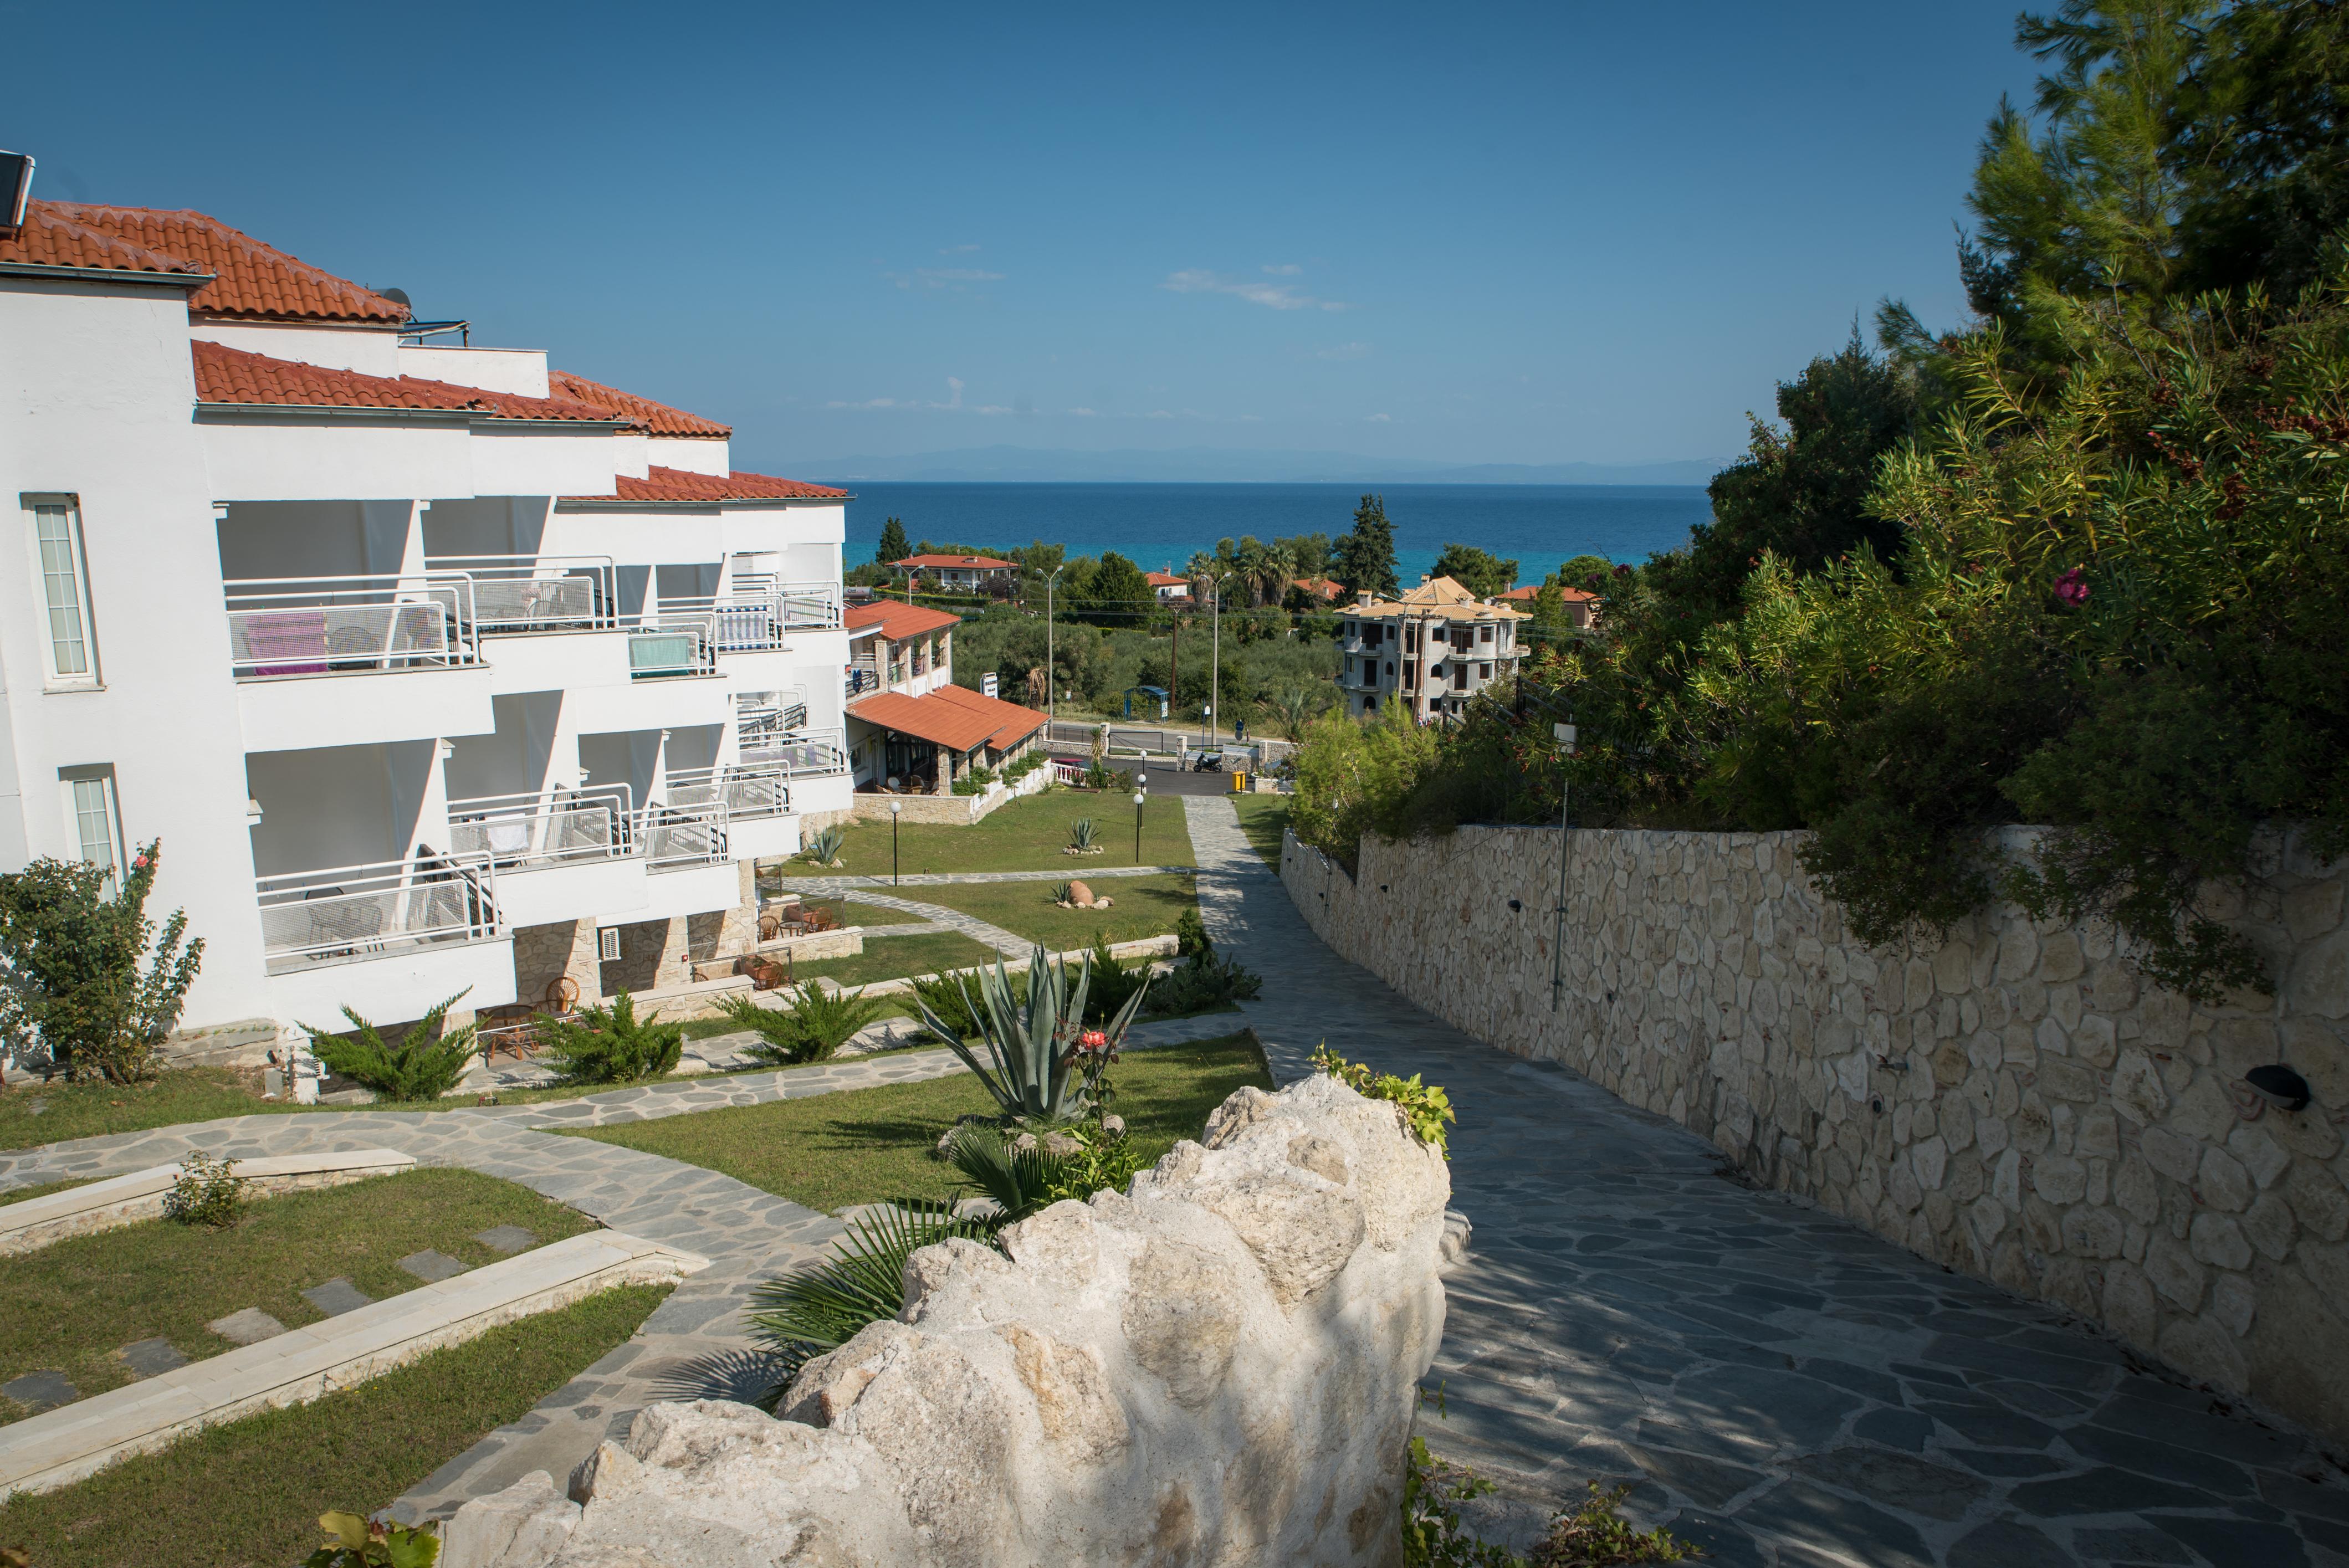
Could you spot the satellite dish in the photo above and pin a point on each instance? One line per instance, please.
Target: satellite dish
(396, 296)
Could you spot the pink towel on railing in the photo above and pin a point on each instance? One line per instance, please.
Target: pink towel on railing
(298, 635)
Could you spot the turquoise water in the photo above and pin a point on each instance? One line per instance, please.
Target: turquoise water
(1155, 525)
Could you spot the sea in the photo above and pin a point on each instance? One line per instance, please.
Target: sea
(1159, 526)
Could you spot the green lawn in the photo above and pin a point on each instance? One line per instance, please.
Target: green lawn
(1139, 907)
(833, 1150)
(895, 957)
(1025, 835)
(1262, 817)
(19, 1194)
(848, 912)
(248, 1494)
(70, 1305)
(33, 1113)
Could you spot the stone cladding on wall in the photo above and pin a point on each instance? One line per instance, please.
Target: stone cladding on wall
(2013, 1099)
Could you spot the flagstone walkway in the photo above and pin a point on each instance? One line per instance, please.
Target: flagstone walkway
(1781, 1386)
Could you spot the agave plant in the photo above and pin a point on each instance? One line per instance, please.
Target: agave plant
(824, 849)
(1034, 1069)
(1082, 834)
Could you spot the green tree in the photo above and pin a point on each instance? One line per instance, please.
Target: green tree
(1119, 595)
(1480, 572)
(85, 971)
(893, 547)
(1801, 492)
(1587, 573)
(1365, 558)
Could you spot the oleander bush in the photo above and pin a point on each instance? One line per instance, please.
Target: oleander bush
(207, 1192)
(83, 970)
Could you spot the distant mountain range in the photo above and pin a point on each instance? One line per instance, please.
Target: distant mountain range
(1213, 465)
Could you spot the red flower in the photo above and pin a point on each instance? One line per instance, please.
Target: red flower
(1093, 1040)
(2070, 589)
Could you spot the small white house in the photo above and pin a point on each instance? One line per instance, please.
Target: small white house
(434, 669)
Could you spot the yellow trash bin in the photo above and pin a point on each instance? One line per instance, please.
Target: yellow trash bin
(1240, 783)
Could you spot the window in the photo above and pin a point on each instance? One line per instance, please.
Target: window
(1483, 634)
(608, 943)
(95, 827)
(65, 592)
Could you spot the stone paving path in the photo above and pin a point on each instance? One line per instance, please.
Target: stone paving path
(694, 1345)
(1779, 1386)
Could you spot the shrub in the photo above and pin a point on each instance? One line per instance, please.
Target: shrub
(1191, 934)
(207, 1192)
(71, 966)
(1592, 1536)
(611, 1044)
(356, 1542)
(1206, 981)
(1019, 767)
(1116, 981)
(1084, 836)
(425, 1065)
(824, 846)
(816, 1025)
(1424, 1106)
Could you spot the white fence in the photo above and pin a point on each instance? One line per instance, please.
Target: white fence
(356, 911)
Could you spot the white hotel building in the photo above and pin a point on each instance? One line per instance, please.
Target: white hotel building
(433, 669)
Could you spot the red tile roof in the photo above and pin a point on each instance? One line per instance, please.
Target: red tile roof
(250, 280)
(660, 486)
(1013, 723)
(952, 717)
(225, 375)
(49, 239)
(1322, 588)
(657, 418)
(1526, 595)
(899, 619)
(932, 563)
(1166, 580)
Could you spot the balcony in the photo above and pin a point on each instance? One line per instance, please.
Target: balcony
(793, 753)
(514, 594)
(355, 914)
(284, 627)
(672, 646)
(753, 802)
(545, 828)
(858, 680)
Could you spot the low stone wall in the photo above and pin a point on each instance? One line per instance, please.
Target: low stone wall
(2013, 1101)
(1220, 1367)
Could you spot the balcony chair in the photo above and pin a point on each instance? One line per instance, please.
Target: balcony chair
(353, 649)
(298, 637)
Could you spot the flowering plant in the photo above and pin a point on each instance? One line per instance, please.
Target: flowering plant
(2071, 588)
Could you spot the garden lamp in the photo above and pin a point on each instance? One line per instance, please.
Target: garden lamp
(1139, 796)
(895, 808)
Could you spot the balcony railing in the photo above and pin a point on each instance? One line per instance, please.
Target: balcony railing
(798, 753)
(545, 827)
(538, 593)
(362, 912)
(858, 680)
(281, 627)
(669, 646)
(677, 836)
(761, 619)
(746, 793)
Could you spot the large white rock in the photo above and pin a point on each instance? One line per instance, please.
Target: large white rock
(1219, 1369)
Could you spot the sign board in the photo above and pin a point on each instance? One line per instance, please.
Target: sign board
(987, 685)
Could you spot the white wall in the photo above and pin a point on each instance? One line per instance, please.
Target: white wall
(370, 350)
(694, 454)
(516, 370)
(95, 389)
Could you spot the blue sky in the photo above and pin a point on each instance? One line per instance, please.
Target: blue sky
(1490, 233)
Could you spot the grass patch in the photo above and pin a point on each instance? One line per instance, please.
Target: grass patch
(1262, 817)
(250, 1491)
(898, 958)
(33, 1113)
(1023, 835)
(1139, 907)
(71, 1305)
(833, 1150)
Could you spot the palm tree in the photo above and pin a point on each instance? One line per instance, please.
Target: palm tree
(1293, 708)
(1258, 570)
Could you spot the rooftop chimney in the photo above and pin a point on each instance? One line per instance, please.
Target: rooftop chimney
(16, 187)
(1425, 578)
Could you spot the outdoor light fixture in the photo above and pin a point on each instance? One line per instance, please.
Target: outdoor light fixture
(894, 807)
(1138, 798)
(2278, 1086)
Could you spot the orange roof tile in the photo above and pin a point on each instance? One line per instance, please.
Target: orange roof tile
(1319, 587)
(657, 418)
(932, 563)
(924, 718)
(250, 280)
(1165, 580)
(1526, 595)
(1013, 723)
(662, 486)
(49, 239)
(225, 375)
(898, 620)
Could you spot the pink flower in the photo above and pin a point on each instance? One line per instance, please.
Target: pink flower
(2071, 588)
(139, 862)
(1093, 1040)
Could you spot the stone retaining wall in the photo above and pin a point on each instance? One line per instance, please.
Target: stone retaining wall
(2013, 1101)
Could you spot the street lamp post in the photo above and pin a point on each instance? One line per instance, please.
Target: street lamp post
(895, 808)
(1139, 795)
(1052, 671)
(1216, 654)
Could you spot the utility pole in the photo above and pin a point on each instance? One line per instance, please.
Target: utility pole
(1174, 672)
(1216, 656)
(1052, 671)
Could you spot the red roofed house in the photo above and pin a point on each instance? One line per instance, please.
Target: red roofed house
(911, 730)
(1170, 589)
(434, 668)
(960, 571)
(1319, 588)
(1581, 608)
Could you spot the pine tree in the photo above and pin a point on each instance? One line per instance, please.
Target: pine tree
(893, 547)
(1366, 557)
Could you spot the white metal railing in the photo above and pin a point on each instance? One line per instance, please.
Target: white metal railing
(547, 827)
(539, 593)
(676, 835)
(1067, 773)
(857, 680)
(746, 792)
(667, 646)
(389, 905)
(808, 606)
(797, 752)
(281, 627)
